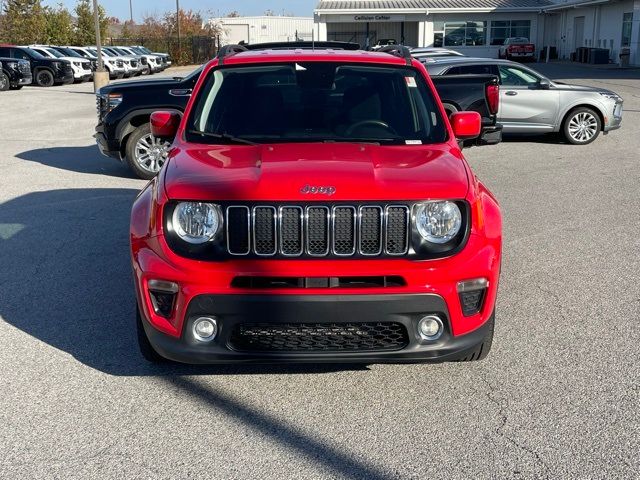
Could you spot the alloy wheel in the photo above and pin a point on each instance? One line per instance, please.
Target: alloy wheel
(151, 153)
(4, 83)
(45, 79)
(583, 127)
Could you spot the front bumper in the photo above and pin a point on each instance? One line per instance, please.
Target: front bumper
(233, 310)
(614, 121)
(25, 81)
(103, 143)
(82, 76)
(430, 286)
(64, 78)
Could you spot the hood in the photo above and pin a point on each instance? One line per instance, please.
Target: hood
(75, 59)
(580, 88)
(133, 85)
(280, 172)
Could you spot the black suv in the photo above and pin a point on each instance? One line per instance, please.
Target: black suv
(124, 109)
(45, 71)
(14, 74)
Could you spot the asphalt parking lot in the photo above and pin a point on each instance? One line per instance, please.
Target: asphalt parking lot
(558, 397)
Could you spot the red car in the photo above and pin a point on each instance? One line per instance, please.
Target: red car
(315, 207)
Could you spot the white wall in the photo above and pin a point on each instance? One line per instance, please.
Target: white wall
(265, 29)
(602, 28)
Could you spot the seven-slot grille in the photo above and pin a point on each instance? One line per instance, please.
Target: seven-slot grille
(317, 230)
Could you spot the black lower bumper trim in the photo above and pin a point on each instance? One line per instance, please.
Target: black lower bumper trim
(232, 311)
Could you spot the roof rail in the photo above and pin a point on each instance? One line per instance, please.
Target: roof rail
(229, 50)
(399, 51)
(310, 45)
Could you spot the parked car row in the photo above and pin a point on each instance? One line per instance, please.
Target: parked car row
(48, 65)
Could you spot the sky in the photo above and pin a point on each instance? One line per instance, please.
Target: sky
(212, 8)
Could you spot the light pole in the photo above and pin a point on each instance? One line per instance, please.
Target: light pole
(178, 28)
(131, 11)
(100, 76)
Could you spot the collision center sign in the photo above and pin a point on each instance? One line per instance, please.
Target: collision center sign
(379, 18)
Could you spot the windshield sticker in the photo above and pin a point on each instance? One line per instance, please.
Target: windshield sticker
(413, 142)
(411, 82)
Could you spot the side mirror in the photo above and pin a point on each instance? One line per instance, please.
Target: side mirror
(164, 124)
(466, 125)
(544, 84)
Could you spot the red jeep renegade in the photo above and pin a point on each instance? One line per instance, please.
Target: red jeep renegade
(315, 207)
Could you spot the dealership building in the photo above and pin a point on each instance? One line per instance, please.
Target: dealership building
(478, 27)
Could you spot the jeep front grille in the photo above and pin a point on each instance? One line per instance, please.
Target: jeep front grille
(317, 230)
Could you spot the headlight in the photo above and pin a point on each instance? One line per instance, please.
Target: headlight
(77, 64)
(13, 65)
(611, 95)
(196, 222)
(113, 100)
(58, 65)
(438, 221)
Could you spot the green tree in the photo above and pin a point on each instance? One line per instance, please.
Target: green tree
(59, 26)
(85, 32)
(24, 22)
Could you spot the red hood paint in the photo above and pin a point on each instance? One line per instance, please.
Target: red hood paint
(278, 172)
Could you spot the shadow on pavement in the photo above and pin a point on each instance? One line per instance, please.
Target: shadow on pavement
(66, 280)
(313, 449)
(546, 138)
(78, 159)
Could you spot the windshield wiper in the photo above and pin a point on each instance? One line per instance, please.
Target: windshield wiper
(373, 141)
(223, 136)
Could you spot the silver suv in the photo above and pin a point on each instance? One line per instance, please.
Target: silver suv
(531, 103)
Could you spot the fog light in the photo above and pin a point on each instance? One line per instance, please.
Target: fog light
(205, 329)
(430, 327)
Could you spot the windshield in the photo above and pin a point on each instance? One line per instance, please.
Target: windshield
(54, 52)
(33, 53)
(138, 50)
(316, 101)
(145, 49)
(68, 52)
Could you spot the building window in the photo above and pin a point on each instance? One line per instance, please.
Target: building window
(627, 18)
(459, 34)
(501, 29)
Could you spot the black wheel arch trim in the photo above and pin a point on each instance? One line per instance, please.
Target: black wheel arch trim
(125, 128)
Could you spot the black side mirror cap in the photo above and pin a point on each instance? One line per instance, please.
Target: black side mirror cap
(544, 84)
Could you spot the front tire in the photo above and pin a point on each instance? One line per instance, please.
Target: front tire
(146, 154)
(44, 78)
(4, 82)
(481, 351)
(581, 126)
(146, 349)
